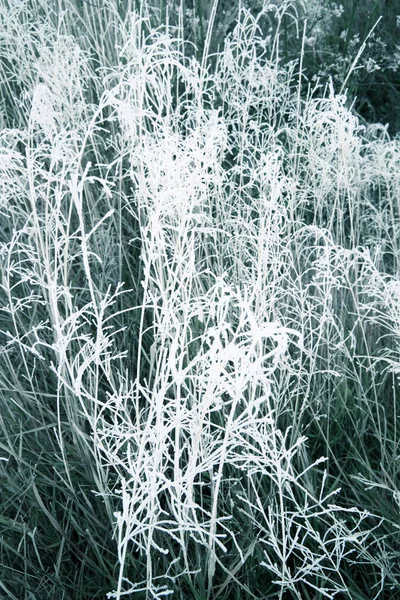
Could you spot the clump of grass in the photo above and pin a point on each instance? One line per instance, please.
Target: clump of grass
(199, 319)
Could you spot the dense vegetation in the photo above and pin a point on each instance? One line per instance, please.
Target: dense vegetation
(199, 300)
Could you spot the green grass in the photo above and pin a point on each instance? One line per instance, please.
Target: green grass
(199, 314)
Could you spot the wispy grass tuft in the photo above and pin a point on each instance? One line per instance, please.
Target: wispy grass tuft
(200, 314)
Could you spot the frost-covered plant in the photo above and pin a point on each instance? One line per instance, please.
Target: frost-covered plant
(200, 315)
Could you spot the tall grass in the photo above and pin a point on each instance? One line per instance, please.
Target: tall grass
(200, 313)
